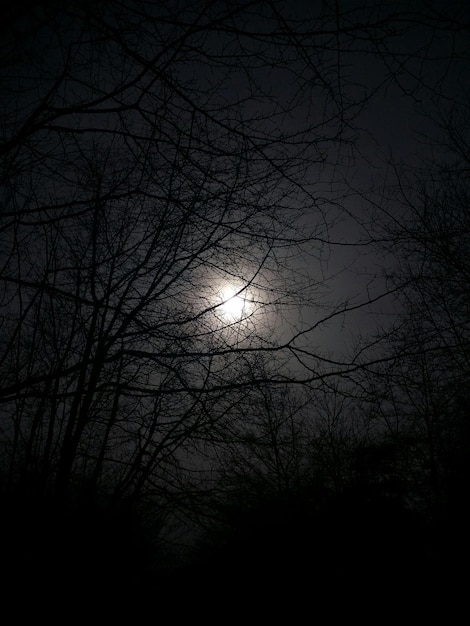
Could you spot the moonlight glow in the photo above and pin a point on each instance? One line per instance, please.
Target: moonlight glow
(234, 305)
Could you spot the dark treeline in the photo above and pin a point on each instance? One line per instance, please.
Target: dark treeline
(234, 316)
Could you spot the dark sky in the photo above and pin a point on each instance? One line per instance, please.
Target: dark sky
(402, 77)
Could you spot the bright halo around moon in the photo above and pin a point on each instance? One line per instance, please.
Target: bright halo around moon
(234, 304)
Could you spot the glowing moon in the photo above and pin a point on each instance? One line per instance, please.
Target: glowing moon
(233, 306)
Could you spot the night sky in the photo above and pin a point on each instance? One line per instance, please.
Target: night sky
(234, 304)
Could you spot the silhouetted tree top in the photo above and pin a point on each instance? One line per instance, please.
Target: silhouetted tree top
(184, 187)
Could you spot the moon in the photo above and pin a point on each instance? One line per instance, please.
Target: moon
(234, 305)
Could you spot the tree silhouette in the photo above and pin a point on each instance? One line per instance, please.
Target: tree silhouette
(418, 394)
(157, 159)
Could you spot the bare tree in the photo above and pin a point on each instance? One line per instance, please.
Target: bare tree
(148, 166)
(171, 171)
(418, 394)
